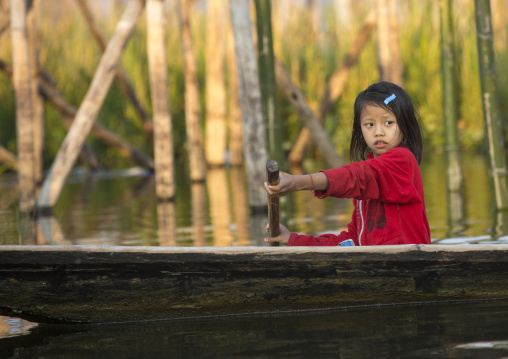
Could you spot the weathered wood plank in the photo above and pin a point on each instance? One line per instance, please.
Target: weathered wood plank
(88, 284)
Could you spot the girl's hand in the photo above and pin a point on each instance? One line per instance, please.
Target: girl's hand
(282, 238)
(287, 184)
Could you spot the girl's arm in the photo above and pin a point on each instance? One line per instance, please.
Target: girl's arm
(294, 239)
(327, 239)
(292, 183)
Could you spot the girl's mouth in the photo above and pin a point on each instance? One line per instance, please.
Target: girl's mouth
(380, 144)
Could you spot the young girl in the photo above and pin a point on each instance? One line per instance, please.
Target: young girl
(386, 185)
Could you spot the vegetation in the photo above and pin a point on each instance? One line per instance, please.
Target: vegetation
(71, 56)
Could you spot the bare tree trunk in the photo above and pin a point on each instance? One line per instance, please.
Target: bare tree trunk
(235, 110)
(49, 91)
(90, 106)
(8, 158)
(24, 109)
(335, 86)
(163, 134)
(318, 134)
(215, 83)
(192, 105)
(86, 154)
(121, 75)
(389, 56)
(250, 98)
(34, 36)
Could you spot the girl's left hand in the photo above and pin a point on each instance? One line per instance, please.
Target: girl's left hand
(282, 238)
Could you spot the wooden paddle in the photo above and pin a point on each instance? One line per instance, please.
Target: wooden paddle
(272, 176)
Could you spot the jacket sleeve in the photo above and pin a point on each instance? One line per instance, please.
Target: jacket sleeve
(388, 178)
(328, 239)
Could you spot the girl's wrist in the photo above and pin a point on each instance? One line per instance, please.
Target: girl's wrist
(305, 183)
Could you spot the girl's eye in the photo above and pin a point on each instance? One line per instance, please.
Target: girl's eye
(388, 122)
(369, 124)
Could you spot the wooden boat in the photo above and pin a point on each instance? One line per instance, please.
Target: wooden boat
(99, 284)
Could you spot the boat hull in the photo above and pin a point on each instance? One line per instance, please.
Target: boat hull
(92, 284)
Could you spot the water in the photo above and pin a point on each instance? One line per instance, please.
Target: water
(458, 330)
(119, 208)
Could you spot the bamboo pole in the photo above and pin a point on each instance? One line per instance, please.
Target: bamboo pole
(90, 106)
(335, 87)
(450, 114)
(51, 93)
(389, 56)
(86, 154)
(267, 81)
(192, 104)
(317, 132)
(24, 107)
(163, 131)
(34, 37)
(235, 110)
(121, 75)
(215, 149)
(490, 101)
(250, 100)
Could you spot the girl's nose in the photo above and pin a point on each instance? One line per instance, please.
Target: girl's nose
(379, 131)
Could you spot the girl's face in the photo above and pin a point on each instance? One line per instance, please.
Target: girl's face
(380, 129)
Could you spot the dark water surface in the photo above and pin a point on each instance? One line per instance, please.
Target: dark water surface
(458, 330)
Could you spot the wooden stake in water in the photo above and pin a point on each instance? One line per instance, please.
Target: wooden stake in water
(272, 176)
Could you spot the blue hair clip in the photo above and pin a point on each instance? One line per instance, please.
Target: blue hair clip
(390, 99)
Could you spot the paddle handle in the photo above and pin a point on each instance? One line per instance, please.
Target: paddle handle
(272, 176)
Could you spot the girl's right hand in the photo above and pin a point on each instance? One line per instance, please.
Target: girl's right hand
(282, 238)
(286, 185)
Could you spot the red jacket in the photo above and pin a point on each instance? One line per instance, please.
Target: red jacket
(387, 194)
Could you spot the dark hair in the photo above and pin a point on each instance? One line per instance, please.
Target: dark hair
(401, 106)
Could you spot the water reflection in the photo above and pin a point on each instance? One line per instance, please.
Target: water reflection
(120, 208)
(198, 213)
(50, 232)
(218, 194)
(460, 330)
(166, 219)
(240, 206)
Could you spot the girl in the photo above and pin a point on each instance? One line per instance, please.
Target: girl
(386, 186)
